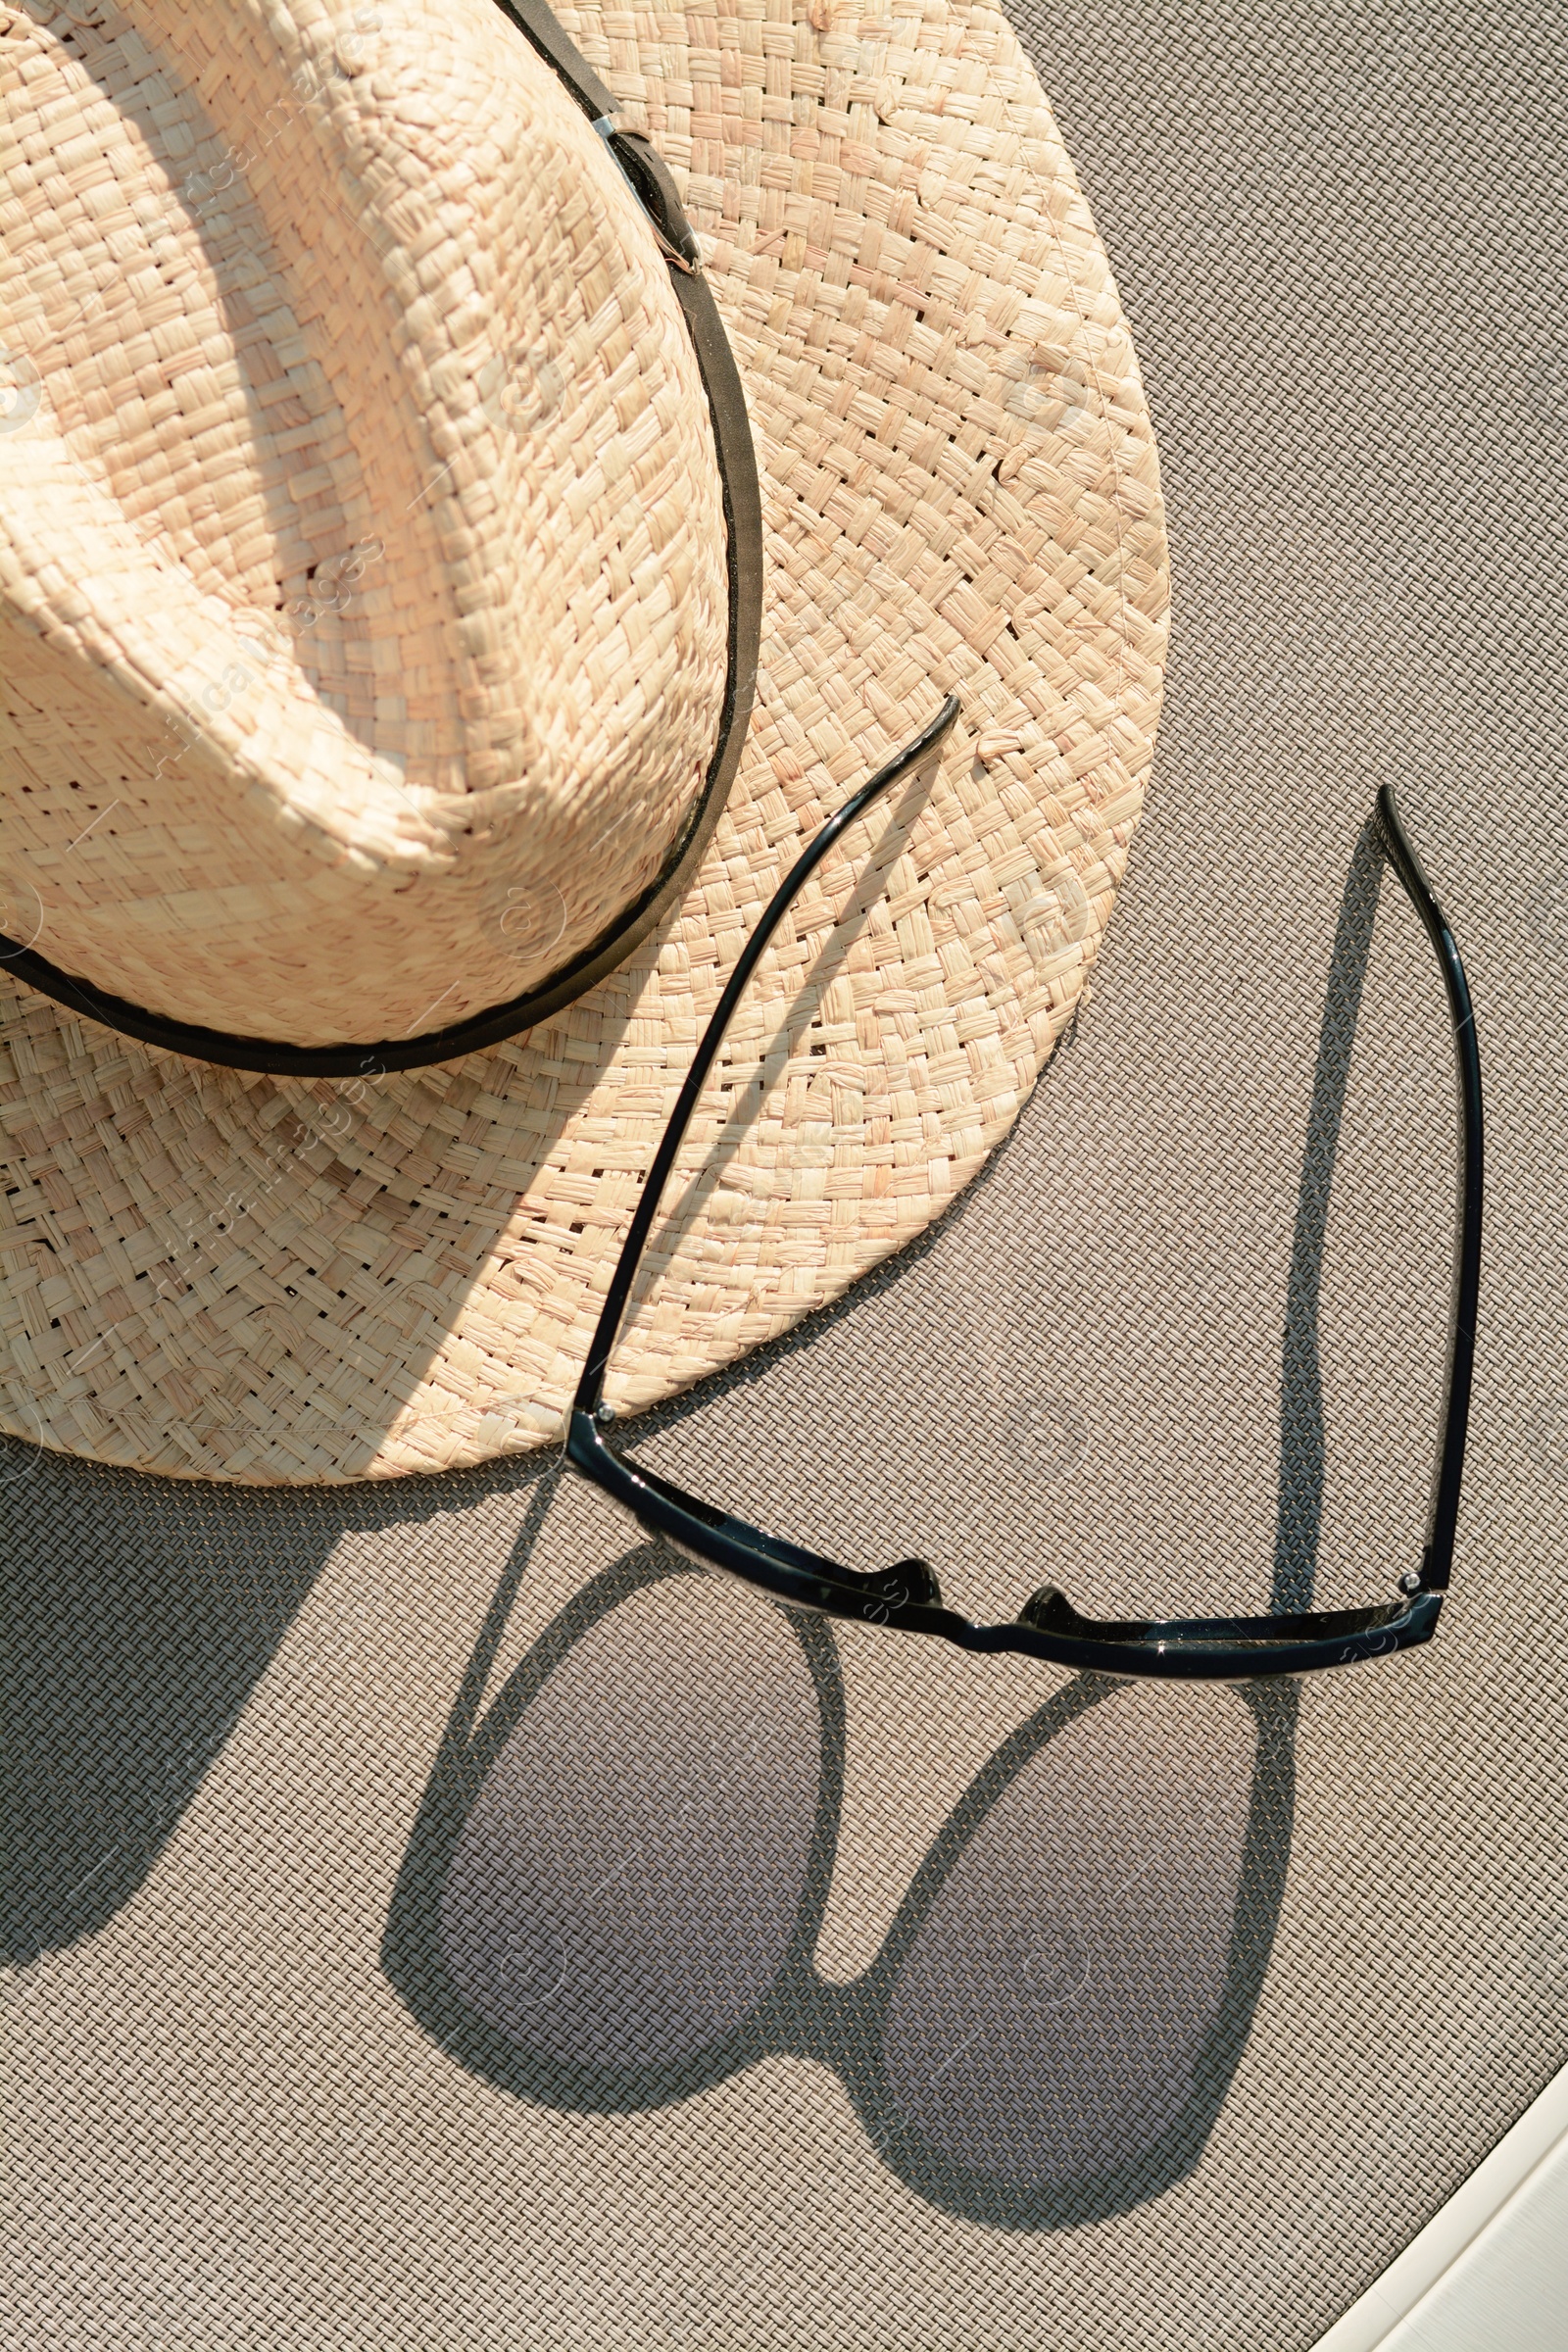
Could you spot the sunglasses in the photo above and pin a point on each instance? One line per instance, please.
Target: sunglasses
(906, 1597)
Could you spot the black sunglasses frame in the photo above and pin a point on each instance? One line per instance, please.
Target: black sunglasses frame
(907, 1595)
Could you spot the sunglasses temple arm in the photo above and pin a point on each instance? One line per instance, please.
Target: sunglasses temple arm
(925, 748)
(1438, 1556)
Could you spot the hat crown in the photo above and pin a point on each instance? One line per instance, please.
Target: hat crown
(363, 598)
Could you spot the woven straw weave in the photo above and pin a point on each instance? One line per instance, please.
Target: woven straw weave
(365, 565)
(217, 1275)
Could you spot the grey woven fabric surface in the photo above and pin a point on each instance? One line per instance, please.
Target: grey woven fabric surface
(435, 1925)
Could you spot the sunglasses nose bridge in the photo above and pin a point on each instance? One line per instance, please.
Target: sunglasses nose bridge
(908, 1583)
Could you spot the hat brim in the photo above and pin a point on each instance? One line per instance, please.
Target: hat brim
(213, 1274)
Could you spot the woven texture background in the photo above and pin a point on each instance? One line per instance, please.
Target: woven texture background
(435, 1927)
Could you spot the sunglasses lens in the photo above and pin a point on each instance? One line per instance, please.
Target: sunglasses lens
(629, 1879)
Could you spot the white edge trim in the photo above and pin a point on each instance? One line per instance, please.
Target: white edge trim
(1473, 2206)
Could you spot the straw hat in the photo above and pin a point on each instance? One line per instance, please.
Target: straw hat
(370, 654)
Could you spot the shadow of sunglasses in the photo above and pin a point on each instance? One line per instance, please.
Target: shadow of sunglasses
(614, 1891)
